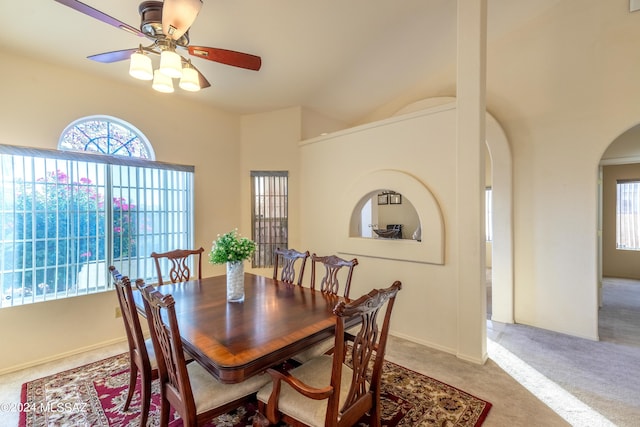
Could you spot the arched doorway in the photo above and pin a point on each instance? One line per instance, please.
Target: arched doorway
(502, 189)
(618, 246)
(502, 211)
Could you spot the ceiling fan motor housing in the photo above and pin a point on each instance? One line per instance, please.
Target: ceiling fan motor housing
(151, 22)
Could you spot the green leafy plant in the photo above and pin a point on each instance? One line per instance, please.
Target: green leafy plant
(231, 247)
(59, 226)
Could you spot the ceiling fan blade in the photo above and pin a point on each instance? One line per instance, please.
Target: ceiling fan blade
(228, 57)
(115, 56)
(100, 16)
(204, 83)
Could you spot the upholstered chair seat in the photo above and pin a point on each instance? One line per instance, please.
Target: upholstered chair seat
(209, 393)
(316, 373)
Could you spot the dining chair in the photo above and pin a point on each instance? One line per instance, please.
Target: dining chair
(179, 259)
(142, 357)
(335, 390)
(192, 391)
(330, 283)
(288, 258)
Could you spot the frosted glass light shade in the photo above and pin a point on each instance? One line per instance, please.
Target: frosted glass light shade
(162, 82)
(171, 64)
(190, 80)
(178, 15)
(140, 66)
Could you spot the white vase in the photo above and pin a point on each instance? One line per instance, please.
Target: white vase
(235, 281)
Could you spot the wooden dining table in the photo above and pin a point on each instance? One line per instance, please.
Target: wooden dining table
(234, 341)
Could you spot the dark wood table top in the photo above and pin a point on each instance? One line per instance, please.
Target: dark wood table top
(234, 341)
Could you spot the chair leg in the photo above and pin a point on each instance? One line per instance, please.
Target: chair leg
(375, 417)
(164, 412)
(133, 377)
(145, 397)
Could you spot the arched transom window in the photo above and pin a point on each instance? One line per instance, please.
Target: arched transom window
(106, 135)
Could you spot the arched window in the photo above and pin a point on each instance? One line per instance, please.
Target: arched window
(98, 200)
(106, 135)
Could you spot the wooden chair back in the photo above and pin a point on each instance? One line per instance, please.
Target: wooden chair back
(138, 354)
(363, 395)
(369, 340)
(175, 385)
(135, 337)
(330, 282)
(179, 261)
(288, 258)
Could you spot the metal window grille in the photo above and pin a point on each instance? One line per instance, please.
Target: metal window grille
(628, 215)
(65, 217)
(269, 192)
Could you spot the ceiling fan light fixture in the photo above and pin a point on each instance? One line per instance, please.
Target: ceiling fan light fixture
(178, 16)
(140, 66)
(190, 81)
(162, 82)
(167, 23)
(171, 64)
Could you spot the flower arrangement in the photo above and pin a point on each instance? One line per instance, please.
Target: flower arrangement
(231, 247)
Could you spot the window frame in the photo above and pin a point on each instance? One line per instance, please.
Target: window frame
(28, 291)
(628, 216)
(110, 124)
(275, 197)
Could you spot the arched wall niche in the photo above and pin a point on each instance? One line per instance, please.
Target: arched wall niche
(429, 250)
(384, 209)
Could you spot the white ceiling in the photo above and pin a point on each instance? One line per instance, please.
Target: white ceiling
(342, 58)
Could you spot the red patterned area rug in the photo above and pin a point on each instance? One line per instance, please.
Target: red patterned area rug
(93, 395)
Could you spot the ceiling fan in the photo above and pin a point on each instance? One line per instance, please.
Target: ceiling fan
(167, 25)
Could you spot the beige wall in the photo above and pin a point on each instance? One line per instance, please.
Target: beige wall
(36, 106)
(625, 148)
(269, 141)
(428, 307)
(426, 310)
(563, 90)
(404, 214)
(616, 263)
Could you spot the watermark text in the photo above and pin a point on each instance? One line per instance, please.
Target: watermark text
(67, 407)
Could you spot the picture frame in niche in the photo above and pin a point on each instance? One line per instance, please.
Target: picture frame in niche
(383, 199)
(395, 199)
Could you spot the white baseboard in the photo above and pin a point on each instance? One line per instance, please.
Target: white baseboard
(441, 348)
(424, 343)
(59, 356)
